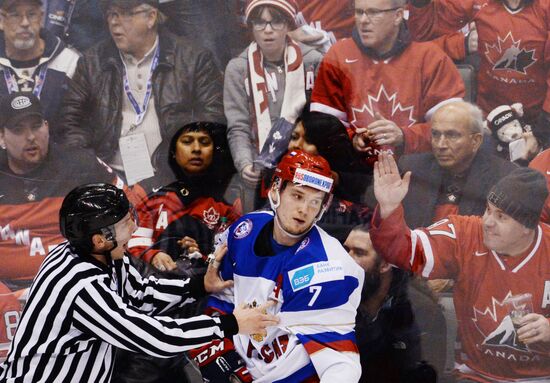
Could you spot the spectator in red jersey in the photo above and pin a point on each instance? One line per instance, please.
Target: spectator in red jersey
(492, 258)
(184, 215)
(383, 86)
(513, 49)
(34, 177)
(542, 164)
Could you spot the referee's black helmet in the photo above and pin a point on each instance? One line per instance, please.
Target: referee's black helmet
(89, 208)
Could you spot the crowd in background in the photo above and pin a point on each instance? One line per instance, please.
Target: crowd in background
(188, 106)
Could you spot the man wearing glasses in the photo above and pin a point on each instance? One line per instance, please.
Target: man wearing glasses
(137, 88)
(32, 59)
(381, 85)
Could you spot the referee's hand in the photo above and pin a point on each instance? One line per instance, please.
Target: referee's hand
(255, 320)
(213, 283)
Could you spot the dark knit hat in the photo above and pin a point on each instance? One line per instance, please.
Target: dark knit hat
(521, 195)
(127, 4)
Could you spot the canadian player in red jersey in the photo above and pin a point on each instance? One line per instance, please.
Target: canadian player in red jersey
(381, 84)
(506, 252)
(10, 311)
(542, 163)
(513, 47)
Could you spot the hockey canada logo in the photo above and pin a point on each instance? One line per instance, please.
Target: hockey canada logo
(388, 106)
(508, 54)
(211, 217)
(497, 329)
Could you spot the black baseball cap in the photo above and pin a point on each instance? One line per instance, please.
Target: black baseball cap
(127, 4)
(7, 4)
(16, 106)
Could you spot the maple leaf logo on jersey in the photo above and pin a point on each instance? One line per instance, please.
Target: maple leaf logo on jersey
(496, 326)
(507, 54)
(211, 217)
(387, 105)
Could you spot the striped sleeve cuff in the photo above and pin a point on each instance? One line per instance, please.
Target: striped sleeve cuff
(229, 325)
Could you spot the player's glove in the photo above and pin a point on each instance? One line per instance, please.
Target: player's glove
(220, 363)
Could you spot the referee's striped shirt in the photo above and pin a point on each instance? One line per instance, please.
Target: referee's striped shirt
(79, 309)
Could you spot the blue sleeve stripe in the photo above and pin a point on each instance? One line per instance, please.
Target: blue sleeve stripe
(220, 305)
(326, 337)
(308, 371)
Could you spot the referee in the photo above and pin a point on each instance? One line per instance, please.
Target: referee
(87, 298)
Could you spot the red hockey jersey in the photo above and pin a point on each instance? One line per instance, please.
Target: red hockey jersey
(513, 48)
(453, 248)
(406, 89)
(542, 164)
(334, 16)
(165, 217)
(10, 310)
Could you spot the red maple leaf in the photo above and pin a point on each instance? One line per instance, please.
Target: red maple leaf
(388, 106)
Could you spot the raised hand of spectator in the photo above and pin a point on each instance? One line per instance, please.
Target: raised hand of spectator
(385, 132)
(534, 328)
(250, 176)
(163, 262)
(191, 246)
(255, 320)
(389, 187)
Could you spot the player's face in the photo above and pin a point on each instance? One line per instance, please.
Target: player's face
(26, 144)
(272, 42)
(129, 27)
(194, 152)
(377, 23)
(359, 246)
(21, 24)
(298, 140)
(299, 208)
(501, 232)
(453, 143)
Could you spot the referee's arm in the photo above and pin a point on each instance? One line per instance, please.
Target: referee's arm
(100, 312)
(157, 295)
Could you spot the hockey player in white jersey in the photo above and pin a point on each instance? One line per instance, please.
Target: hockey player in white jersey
(283, 256)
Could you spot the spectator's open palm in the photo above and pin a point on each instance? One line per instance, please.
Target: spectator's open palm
(389, 187)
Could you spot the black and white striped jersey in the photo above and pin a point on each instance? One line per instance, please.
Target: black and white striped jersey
(79, 309)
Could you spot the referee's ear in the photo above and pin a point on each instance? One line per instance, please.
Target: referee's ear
(100, 243)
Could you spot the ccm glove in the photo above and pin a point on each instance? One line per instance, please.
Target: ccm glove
(220, 363)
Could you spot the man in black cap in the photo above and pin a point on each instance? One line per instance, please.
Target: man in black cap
(137, 88)
(32, 59)
(34, 177)
(492, 259)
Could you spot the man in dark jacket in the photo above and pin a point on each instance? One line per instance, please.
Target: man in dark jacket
(138, 87)
(32, 59)
(457, 175)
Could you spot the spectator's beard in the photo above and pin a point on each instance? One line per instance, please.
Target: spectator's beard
(372, 280)
(25, 44)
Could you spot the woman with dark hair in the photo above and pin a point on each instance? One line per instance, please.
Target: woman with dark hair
(184, 215)
(266, 86)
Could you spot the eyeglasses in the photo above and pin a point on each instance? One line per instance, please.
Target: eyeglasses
(123, 15)
(276, 25)
(373, 14)
(17, 18)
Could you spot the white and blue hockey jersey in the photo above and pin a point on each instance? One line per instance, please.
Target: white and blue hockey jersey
(317, 286)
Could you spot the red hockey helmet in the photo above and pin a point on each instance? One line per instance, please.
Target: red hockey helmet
(305, 169)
